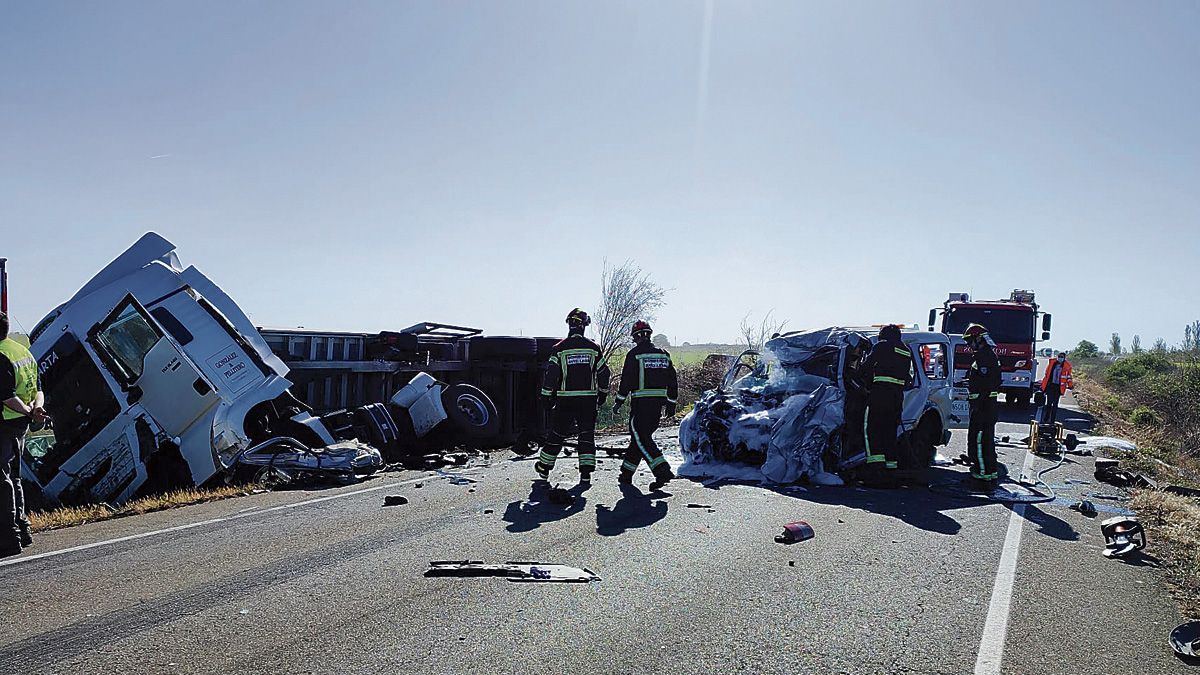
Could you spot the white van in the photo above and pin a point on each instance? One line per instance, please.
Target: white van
(155, 379)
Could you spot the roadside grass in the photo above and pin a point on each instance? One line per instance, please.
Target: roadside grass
(70, 516)
(1153, 399)
(1173, 525)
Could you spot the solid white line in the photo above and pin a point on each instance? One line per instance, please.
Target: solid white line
(179, 528)
(995, 629)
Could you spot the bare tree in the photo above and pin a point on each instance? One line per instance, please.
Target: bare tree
(1114, 344)
(1160, 346)
(1135, 347)
(627, 294)
(755, 334)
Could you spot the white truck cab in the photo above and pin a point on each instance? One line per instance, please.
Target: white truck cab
(154, 379)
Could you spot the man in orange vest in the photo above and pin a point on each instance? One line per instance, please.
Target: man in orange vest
(1055, 383)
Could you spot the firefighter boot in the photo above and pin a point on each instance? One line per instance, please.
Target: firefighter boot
(26, 537)
(662, 476)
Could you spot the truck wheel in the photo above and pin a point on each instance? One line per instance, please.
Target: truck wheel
(471, 410)
(502, 347)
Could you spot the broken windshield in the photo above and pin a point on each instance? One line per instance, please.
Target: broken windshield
(1004, 325)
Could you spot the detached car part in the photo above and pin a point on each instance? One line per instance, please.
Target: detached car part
(513, 571)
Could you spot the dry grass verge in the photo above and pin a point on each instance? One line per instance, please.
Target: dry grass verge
(1173, 534)
(70, 516)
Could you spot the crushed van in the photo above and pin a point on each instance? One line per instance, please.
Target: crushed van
(784, 411)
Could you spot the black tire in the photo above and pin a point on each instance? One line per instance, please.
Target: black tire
(502, 347)
(471, 411)
(928, 433)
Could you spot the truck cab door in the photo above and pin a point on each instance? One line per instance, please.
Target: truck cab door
(151, 369)
(960, 363)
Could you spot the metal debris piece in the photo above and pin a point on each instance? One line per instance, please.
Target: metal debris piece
(513, 571)
(795, 532)
(699, 506)
(395, 500)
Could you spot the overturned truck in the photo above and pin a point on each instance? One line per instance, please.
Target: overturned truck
(155, 379)
(786, 411)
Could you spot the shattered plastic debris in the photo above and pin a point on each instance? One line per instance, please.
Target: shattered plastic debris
(699, 506)
(395, 500)
(1095, 442)
(513, 571)
(1185, 640)
(795, 532)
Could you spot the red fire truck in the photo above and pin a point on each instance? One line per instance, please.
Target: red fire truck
(1012, 325)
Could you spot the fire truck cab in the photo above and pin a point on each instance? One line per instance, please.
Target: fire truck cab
(1012, 323)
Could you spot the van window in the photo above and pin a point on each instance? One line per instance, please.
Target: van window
(932, 357)
(126, 337)
(167, 320)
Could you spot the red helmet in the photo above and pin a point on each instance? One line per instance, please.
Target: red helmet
(640, 327)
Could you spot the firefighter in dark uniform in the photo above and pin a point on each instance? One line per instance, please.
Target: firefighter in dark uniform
(856, 396)
(648, 378)
(983, 392)
(889, 369)
(575, 386)
(21, 402)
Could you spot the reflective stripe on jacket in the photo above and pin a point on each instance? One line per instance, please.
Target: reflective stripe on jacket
(648, 373)
(576, 369)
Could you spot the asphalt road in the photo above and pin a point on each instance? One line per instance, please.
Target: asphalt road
(331, 581)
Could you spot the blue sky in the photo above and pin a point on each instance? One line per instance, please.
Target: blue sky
(369, 165)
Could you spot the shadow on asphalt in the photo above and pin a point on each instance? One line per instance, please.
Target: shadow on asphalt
(632, 511)
(538, 509)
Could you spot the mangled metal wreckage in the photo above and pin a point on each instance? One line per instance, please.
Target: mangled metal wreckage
(786, 410)
(156, 379)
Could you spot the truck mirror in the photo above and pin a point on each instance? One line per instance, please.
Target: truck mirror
(1045, 323)
(932, 318)
(1045, 335)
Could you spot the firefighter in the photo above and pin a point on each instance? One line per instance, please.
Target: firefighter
(648, 378)
(983, 392)
(22, 402)
(889, 370)
(575, 386)
(1055, 383)
(856, 396)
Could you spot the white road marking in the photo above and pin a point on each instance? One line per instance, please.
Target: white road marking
(991, 645)
(179, 528)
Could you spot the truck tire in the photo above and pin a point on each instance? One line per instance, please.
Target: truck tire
(502, 348)
(471, 411)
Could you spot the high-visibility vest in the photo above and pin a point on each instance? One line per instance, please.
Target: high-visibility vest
(25, 368)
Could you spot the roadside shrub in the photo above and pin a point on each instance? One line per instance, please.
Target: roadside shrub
(1127, 370)
(1143, 416)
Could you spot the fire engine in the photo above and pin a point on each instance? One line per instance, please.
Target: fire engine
(1012, 324)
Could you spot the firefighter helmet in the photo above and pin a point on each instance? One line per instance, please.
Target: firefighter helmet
(974, 331)
(890, 333)
(578, 317)
(641, 328)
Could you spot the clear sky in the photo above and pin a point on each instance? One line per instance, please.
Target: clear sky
(368, 165)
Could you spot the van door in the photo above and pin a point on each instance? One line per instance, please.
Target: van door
(151, 368)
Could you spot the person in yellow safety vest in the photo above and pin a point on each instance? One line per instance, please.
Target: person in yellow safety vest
(1055, 383)
(887, 370)
(983, 392)
(22, 403)
(575, 386)
(650, 380)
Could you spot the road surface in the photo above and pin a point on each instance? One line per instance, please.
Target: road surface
(331, 581)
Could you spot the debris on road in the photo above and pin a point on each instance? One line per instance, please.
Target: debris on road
(1185, 640)
(1123, 535)
(513, 571)
(456, 478)
(694, 505)
(1085, 507)
(282, 461)
(795, 532)
(395, 500)
(1109, 473)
